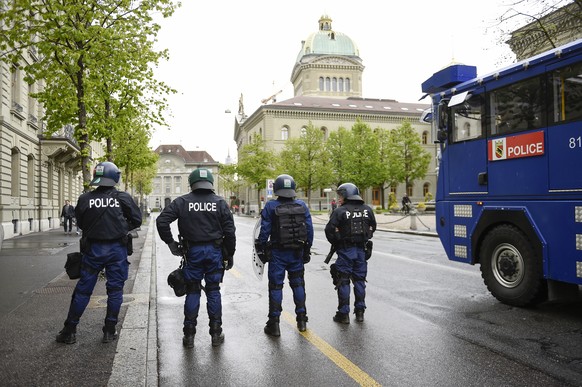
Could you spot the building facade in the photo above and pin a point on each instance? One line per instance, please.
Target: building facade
(327, 83)
(563, 25)
(37, 172)
(174, 166)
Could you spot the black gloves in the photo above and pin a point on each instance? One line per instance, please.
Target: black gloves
(368, 249)
(307, 254)
(175, 248)
(228, 262)
(261, 251)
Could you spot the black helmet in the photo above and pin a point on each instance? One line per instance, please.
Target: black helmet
(201, 178)
(284, 186)
(349, 191)
(177, 282)
(105, 174)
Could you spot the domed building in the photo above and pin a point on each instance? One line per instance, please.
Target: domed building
(328, 64)
(327, 82)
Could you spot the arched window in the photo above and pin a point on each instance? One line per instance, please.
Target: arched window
(30, 176)
(327, 84)
(15, 180)
(348, 85)
(425, 189)
(324, 132)
(409, 190)
(341, 84)
(284, 133)
(425, 137)
(321, 84)
(303, 131)
(334, 84)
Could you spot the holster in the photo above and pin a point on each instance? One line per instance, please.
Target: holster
(84, 245)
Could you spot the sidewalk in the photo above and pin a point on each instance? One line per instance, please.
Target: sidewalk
(420, 224)
(35, 296)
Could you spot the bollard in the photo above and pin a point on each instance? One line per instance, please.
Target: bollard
(413, 219)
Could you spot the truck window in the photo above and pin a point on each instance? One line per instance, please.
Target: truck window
(516, 107)
(566, 94)
(467, 119)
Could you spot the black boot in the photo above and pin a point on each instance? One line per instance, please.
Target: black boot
(360, 315)
(109, 333)
(188, 339)
(216, 334)
(272, 327)
(67, 335)
(302, 322)
(341, 318)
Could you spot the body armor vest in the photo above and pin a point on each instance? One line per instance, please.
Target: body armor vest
(290, 226)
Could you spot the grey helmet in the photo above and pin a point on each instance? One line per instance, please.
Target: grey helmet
(349, 191)
(284, 186)
(105, 174)
(201, 178)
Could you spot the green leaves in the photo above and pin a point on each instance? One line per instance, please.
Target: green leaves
(93, 59)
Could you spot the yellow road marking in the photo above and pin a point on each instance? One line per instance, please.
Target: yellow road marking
(235, 273)
(352, 370)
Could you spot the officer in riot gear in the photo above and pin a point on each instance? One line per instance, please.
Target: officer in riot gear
(349, 230)
(285, 240)
(206, 225)
(105, 215)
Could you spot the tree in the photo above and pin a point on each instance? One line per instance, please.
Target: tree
(305, 158)
(230, 181)
(533, 26)
(410, 160)
(338, 148)
(80, 49)
(363, 166)
(256, 164)
(132, 153)
(385, 177)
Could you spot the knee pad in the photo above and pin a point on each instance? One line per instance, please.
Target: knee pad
(273, 286)
(343, 278)
(193, 286)
(212, 286)
(294, 275)
(112, 290)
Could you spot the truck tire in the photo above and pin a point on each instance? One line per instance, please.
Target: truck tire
(512, 268)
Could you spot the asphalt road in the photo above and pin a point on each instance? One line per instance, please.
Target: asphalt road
(429, 322)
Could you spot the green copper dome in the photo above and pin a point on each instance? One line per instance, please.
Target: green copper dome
(326, 41)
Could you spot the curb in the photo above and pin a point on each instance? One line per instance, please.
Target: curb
(136, 358)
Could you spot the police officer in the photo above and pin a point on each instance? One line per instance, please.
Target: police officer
(105, 215)
(349, 228)
(206, 224)
(285, 240)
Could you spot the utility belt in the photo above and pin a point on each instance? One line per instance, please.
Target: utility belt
(348, 244)
(122, 239)
(127, 240)
(294, 246)
(189, 244)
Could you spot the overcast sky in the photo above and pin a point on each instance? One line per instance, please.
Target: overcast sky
(222, 49)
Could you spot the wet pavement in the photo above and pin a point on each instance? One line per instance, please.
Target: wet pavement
(35, 294)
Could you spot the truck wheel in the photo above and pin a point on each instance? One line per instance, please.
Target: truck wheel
(511, 267)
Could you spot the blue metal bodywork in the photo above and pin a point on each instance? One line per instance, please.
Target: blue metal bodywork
(540, 195)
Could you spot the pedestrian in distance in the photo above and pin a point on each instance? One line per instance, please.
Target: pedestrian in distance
(105, 215)
(406, 203)
(206, 225)
(349, 230)
(68, 213)
(285, 239)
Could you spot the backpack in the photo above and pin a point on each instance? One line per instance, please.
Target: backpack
(290, 226)
(357, 226)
